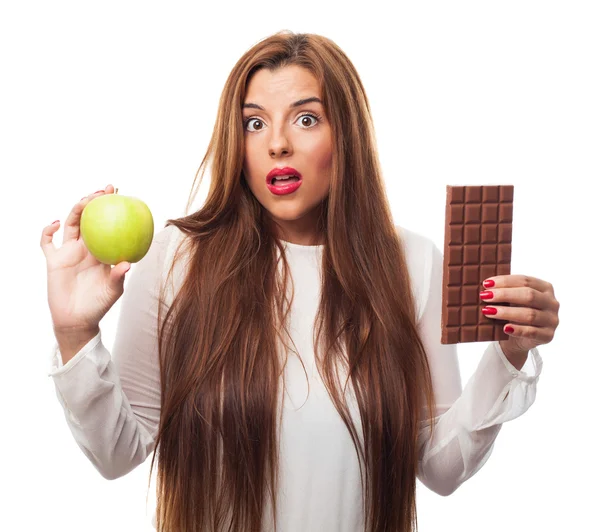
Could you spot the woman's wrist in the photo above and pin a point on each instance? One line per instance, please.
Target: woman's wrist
(71, 341)
(516, 358)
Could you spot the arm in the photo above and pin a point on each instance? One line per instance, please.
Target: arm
(112, 404)
(468, 420)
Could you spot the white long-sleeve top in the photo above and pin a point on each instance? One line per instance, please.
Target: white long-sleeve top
(111, 400)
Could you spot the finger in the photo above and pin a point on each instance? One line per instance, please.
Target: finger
(541, 335)
(71, 231)
(521, 296)
(515, 280)
(521, 315)
(117, 278)
(46, 243)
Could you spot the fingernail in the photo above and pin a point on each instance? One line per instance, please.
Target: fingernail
(489, 311)
(55, 221)
(488, 283)
(486, 294)
(509, 329)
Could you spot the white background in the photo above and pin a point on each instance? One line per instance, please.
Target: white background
(462, 93)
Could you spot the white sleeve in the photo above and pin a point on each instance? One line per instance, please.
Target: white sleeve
(467, 421)
(112, 405)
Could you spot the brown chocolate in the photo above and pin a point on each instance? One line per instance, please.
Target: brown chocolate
(477, 245)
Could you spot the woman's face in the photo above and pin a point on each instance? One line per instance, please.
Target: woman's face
(283, 135)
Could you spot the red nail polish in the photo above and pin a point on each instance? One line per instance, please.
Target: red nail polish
(489, 284)
(509, 329)
(486, 294)
(54, 222)
(489, 311)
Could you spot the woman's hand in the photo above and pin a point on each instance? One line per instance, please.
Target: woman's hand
(533, 316)
(81, 289)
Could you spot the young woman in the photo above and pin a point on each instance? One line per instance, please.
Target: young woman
(280, 347)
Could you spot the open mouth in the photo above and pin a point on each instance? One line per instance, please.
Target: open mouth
(279, 181)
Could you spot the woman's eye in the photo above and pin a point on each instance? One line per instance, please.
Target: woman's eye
(252, 121)
(305, 117)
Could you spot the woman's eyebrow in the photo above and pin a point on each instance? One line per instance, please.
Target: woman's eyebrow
(295, 104)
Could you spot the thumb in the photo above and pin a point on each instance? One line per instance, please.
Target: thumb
(117, 276)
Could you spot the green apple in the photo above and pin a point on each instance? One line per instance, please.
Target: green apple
(117, 228)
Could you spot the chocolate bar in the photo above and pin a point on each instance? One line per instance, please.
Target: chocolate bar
(477, 245)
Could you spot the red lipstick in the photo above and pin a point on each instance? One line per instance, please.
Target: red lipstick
(281, 188)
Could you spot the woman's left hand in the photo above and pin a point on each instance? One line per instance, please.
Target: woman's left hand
(533, 316)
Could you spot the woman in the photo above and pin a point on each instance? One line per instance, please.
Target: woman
(247, 437)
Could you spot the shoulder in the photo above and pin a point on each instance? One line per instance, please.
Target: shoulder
(162, 249)
(418, 248)
(153, 269)
(170, 241)
(419, 252)
(414, 242)
(169, 236)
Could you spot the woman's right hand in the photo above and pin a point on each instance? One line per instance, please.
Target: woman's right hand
(81, 290)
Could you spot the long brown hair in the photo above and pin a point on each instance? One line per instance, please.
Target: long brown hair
(220, 363)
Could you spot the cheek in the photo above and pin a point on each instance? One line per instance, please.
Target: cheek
(247, 169)
(251, 165)
(321, 153)
(327, 158)
(322, 171)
